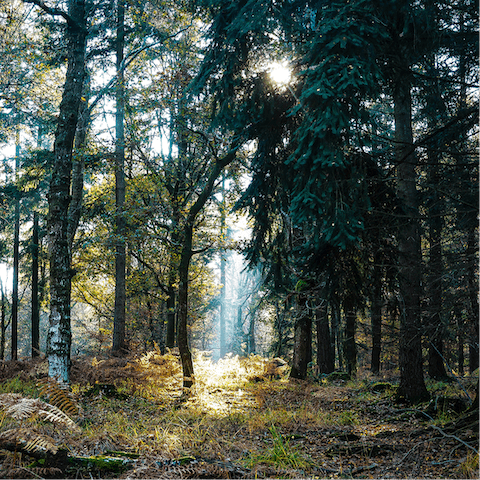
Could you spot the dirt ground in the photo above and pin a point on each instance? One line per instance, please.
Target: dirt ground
(245, 420)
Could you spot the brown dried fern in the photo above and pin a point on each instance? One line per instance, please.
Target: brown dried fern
(19, 408)
(58, 396)
(27, 441)
(32, 472)
(204, 469)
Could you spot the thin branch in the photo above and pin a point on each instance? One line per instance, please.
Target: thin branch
(160, 285)
(125, 63)
(56, 12)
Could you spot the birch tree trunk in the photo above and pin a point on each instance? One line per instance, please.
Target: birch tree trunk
(59, 333)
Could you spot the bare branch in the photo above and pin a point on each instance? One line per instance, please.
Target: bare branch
(56, 12)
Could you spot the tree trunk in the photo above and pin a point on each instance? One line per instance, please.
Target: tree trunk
(336, 332)
(251, 346)
(376, 318)
(35, 306)
(472, 258)
(349, 345)
(476, 402)
(223, 267)
(223, 340)
(239, 332)
(120, 251)
(183, 269)
(325, 355)
(16, 258)
(280, 329)
(435, 326)
(78, 165)
(302, 340)
(182, 331)
(457, 314)
(170, 336)
(412, 386)
(59, 333)
(436, 367)
(3, 326)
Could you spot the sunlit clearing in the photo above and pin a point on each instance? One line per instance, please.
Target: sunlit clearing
(280, 73)
(219, 386)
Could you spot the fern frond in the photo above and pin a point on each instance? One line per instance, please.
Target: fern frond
(8, 399)
(24, 408)
(40, 444)
(19, 408)
(58, 396)
(35, 473)
(27, 441)
(56, 416)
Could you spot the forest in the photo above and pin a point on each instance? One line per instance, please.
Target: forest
(239, 239)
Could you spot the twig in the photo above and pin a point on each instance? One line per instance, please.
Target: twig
(361, 469)
(126, 62)
(412, 449)
(31, 472)
(56, 12)
(455, 438)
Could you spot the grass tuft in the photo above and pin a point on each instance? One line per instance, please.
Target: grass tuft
(280, 455)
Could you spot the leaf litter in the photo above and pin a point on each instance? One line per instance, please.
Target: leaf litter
(246, 419)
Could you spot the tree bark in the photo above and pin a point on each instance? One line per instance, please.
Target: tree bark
(457, 315)
(412, 386)
(59, 333)
(336, 332)
(251, 345)
(302, 340)
(223, 342)
(223, 267)
(35, 306)
(436, 367)
(325, 355)
(170, 335)
(16, 258)
(435, 325)
(120, 250)
(182, 331)
(376, 318)
(3, 324)
(349, 345)
(185, 257)
(78, 166)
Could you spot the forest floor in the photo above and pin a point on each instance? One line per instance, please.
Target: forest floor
(239, 422)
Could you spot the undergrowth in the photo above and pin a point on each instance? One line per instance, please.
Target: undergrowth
(238, 412)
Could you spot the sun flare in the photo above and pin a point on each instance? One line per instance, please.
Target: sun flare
(280, 73)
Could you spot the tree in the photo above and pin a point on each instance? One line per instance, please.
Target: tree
(120, 254)
(59, 333)
(16, 258)
(215, 171)
(35, 296)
